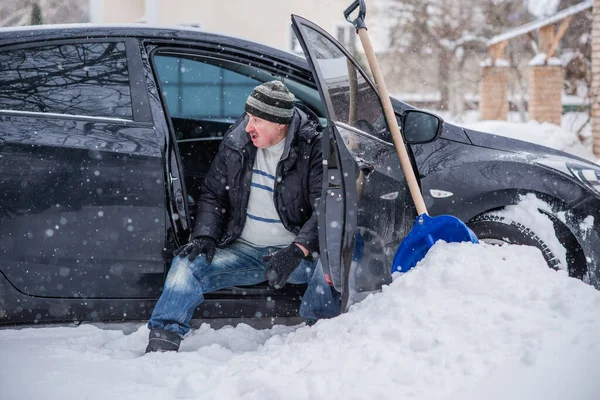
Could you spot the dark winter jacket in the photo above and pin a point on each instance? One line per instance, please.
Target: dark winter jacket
(226, 189)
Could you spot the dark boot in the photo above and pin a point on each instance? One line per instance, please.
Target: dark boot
(161, 340)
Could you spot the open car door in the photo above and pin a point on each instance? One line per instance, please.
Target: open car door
(365, 209)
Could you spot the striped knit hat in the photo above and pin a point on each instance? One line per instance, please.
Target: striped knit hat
(271, 101)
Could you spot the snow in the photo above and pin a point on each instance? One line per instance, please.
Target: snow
(587, 225)
(527, 214)
(540, 59)
(489, 62)
(467, 320)
(542, 8)
(421, 96)
(569, 99)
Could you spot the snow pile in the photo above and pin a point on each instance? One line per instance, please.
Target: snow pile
(489, 62)
(540, 59)
(526, 212)
(469, 322)
(542, 8)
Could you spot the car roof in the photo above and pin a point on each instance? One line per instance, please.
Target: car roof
(20, 35)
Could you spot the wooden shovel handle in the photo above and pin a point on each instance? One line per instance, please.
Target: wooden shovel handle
(390, 116)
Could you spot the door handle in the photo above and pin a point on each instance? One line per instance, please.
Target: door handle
(172, 179)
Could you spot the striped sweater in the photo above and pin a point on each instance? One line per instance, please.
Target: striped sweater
(263, 227)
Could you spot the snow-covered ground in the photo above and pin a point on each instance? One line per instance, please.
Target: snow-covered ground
(469, 322)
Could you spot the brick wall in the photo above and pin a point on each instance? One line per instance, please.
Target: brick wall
(493, 93)
(545, 91)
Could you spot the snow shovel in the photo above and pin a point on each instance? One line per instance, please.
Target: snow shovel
(426, 230)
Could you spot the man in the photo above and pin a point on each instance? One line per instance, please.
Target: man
(256, 217)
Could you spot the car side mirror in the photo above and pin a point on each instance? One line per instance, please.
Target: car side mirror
(420, 126)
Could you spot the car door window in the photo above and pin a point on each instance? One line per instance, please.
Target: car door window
(203, 96)
(86, 79)
(198, 90)
(352, 99)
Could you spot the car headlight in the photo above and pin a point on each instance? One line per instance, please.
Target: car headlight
(588, 176)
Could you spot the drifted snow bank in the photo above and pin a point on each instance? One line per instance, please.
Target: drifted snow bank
(470, 322)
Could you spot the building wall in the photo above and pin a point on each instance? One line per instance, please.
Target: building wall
(263, 21)
(117, 11)
(545, 89)
(268, 22)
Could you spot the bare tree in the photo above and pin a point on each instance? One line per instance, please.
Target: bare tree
(502, 15)
(575, 51)
(19, 12)
(455, 33)
(452, 30)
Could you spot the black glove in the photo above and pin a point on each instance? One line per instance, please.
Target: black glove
(202, 245)
(281, 264)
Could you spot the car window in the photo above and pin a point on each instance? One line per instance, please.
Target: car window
(353, 101)
(198, 90)
(88, 79)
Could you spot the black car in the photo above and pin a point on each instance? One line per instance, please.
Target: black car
(107, 132)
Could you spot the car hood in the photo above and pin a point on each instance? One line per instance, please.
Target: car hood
(527, 149)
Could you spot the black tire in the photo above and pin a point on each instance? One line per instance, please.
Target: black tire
(497, 230)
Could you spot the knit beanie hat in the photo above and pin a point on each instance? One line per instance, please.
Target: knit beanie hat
(271, 101)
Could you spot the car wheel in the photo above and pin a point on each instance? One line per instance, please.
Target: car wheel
(493, 229)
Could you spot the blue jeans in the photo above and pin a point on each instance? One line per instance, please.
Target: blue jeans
(238, 264)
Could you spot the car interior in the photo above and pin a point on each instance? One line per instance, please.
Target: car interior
(204, 96)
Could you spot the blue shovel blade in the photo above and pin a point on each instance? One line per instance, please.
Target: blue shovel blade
(425, 232)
